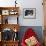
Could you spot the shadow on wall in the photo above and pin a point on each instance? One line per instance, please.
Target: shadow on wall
(37, 29)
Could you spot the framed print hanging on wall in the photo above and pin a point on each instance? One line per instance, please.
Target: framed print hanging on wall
(29, 13)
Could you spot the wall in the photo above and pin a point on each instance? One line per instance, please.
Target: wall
(39, 13)
(7, 3)
(27, 4)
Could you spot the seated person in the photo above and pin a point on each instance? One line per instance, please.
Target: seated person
(30, 39)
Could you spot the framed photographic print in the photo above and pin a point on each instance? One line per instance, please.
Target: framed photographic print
(29, 13)
(5, 12)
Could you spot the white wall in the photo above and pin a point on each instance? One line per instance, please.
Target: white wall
(27, 4)
(7, 3)
(39, 12)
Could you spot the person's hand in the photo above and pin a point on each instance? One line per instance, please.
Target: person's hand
(32, 41)
(28, 42)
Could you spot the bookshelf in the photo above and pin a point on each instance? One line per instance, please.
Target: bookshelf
(9, 20)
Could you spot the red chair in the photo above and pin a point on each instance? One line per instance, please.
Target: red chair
(29, 33)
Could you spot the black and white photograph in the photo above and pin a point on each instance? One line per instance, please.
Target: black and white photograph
(29, 13)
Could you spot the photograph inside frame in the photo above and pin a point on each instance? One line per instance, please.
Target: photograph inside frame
(30, 13)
